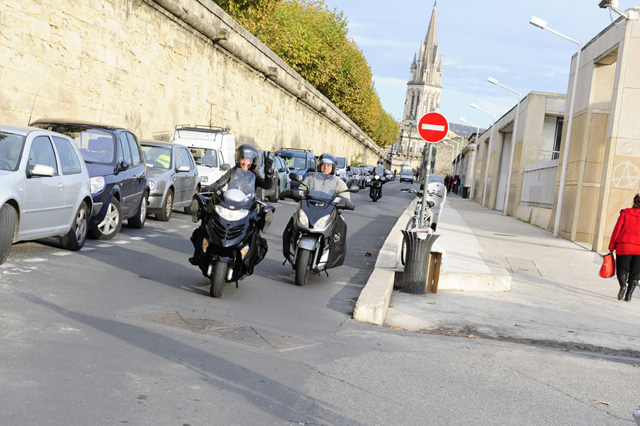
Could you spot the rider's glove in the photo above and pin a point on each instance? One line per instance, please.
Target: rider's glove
(268, 163)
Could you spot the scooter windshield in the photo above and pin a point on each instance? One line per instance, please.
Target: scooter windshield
(243, 180)
(321, 186)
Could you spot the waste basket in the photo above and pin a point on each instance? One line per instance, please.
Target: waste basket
(465, 192)
(418, 242)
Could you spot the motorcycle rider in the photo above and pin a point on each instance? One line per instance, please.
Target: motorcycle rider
(379, 170)
(244, 177)
(327, 165)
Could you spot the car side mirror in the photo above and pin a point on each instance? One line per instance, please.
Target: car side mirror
(123, 165)
(183, 168)
(225, 167)
(281, 170)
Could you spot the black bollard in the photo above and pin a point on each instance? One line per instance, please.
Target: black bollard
(418, 242)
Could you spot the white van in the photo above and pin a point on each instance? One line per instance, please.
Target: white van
(342, 166)
(212, 147)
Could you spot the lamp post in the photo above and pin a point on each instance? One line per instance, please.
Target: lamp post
(473, 174)
(513, 142)
(486, 169)
(537, 22)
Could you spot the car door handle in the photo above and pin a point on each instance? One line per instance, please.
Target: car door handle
(60, 186)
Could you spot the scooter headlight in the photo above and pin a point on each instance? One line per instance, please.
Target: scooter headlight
(302, 217)
(232, 215)
(322, 222)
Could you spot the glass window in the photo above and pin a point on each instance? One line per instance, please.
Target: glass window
(69, 161)
(135, 150)
(185, 158)
(124, 147)
(42, 153)
(11, 146)
(558, 139)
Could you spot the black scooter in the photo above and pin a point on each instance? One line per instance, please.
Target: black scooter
(315, 237)
(375, 191)
(227, 243)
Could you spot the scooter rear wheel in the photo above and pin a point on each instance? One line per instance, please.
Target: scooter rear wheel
(303, 266)
(217, 278)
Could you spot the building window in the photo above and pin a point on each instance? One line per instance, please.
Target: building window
(413, 98)
(557, 139)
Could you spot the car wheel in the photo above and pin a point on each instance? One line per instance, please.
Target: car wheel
(7, 230)
(111, 223)
(187, 209)
(276, 195)
(77, 235)
(167, 207)
(140, 217)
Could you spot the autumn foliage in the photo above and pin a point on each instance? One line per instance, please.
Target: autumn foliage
(313, 40)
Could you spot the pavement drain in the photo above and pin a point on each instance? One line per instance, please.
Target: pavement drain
(234, 332)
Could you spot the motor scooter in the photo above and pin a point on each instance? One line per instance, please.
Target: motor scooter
(375, 190)
(315, 237)
(227, 244)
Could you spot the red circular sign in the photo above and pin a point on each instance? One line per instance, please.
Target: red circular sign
(433, 127)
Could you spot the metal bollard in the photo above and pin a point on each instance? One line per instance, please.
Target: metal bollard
(419, 242)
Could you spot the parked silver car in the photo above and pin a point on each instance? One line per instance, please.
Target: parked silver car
(45, 189)
(172, 175)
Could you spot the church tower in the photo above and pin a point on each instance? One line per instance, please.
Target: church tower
(423, 91)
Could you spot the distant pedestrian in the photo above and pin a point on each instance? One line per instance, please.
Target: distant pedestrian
(625, 240)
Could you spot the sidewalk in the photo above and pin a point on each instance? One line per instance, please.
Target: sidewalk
(556, 297)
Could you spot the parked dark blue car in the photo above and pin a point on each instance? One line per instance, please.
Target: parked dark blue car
(116, 166)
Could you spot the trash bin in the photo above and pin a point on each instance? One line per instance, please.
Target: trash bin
(418, 242)
(465, 192)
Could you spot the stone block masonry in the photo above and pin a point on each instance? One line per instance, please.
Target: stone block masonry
(149, 65)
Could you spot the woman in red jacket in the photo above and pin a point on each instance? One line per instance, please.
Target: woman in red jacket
(625, 240)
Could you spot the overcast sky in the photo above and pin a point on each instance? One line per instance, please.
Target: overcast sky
(477, 39)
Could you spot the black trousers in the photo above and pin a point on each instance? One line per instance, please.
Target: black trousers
(629, 264)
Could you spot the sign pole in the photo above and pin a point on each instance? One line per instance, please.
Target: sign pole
(425, 187)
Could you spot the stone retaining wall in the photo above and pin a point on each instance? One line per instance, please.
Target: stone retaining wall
(149, 65)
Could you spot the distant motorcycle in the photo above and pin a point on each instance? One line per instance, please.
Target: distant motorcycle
(315, 237)
(227, 244)
(375, 191)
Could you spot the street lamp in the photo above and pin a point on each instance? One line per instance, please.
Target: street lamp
(473, 177)
(537, 22)
(486, 169)
(513, 142)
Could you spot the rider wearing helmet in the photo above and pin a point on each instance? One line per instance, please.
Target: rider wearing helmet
(244, 175)
(379, 170)
(327, 165)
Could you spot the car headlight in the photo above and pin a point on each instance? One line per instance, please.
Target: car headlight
(152, 185)
(302, 217)
(322, 222)
(97, 184)
(204, 179)
(231, 214)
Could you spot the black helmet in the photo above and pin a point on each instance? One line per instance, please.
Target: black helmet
(249, 152)
(379, 161)
(327, 158)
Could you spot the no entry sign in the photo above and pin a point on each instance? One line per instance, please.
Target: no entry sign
(433, 127)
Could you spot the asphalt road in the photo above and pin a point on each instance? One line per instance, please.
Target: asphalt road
(124, 332)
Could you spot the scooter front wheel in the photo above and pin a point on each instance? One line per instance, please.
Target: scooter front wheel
(217, 278)
(303, 266)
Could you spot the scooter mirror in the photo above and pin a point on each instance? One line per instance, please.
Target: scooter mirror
(354, 188)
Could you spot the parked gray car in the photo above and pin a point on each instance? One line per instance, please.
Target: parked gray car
(45, 189)
(172, 175)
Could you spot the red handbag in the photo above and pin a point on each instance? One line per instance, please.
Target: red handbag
(608, 268)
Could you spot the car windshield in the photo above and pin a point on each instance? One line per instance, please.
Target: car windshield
(341, 162)
(436, 178)
(407, 172)
(295, 162)
(321, 186)
(95, 145)
(10, 150)
(205, 156)
(157, 157)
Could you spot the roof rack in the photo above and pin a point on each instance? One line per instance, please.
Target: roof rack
(202, 128)
(294, 149)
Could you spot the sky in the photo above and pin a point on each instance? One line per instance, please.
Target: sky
(477, 40)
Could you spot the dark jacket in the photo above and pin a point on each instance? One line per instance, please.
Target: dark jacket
(265, 182)
(625, 238)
